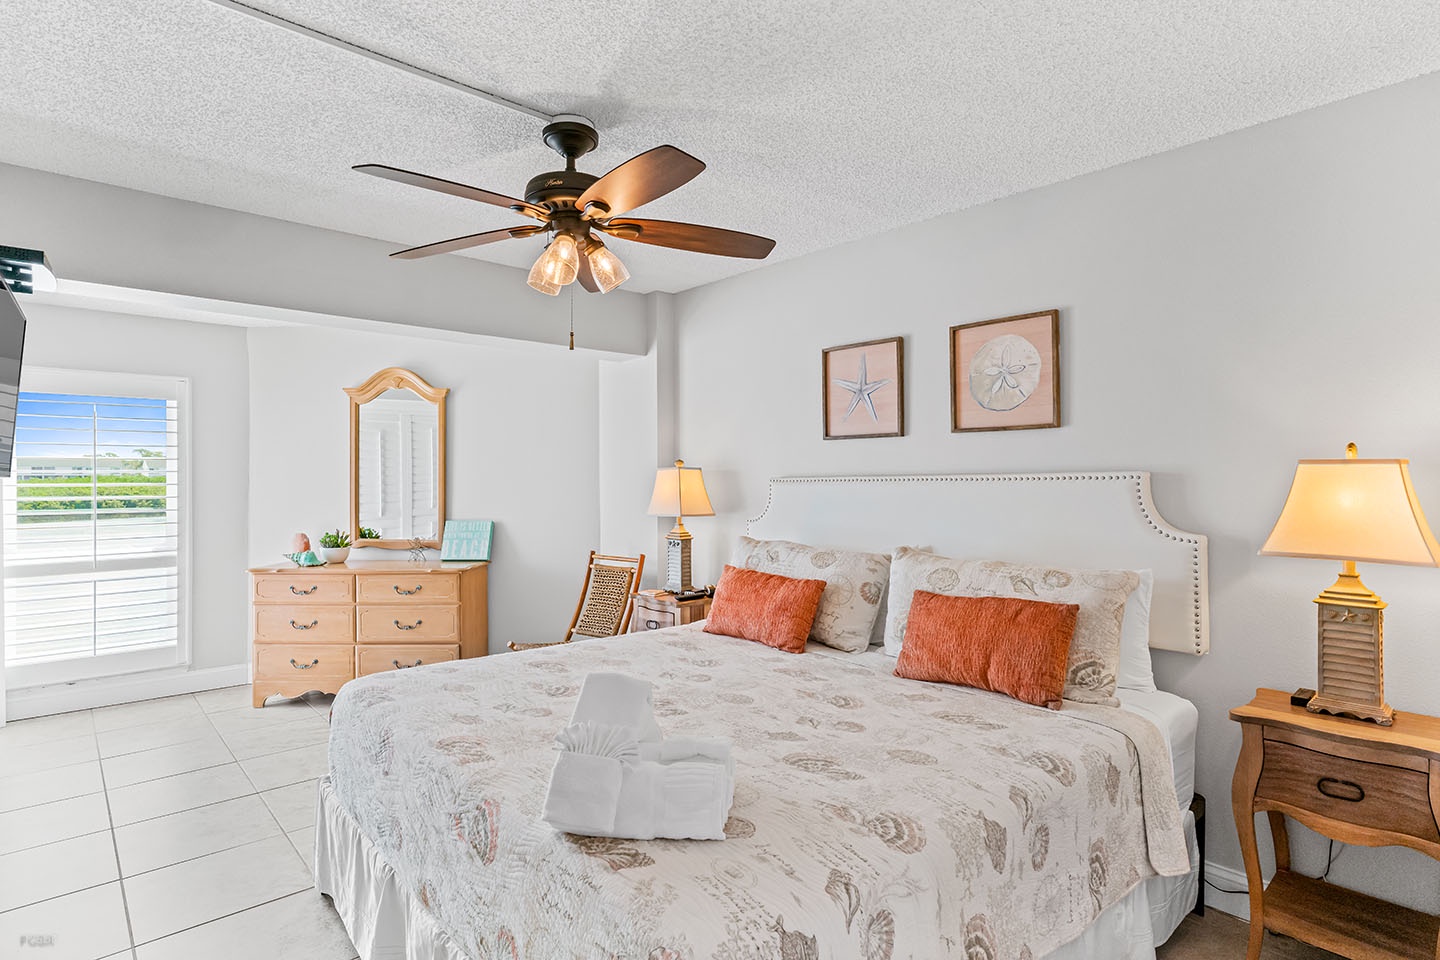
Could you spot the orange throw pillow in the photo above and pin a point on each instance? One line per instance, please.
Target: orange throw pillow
(765, 607)
(1003, 644)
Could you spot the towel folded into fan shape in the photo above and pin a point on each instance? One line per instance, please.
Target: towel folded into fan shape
(616, 775)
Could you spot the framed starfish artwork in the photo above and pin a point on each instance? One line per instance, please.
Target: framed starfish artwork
(1005, 373)
(864, 389)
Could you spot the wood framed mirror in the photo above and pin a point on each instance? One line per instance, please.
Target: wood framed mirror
(397, 461)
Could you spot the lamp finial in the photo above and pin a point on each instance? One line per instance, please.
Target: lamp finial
(1351, 451)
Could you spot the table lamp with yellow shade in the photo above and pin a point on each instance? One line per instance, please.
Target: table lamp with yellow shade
(1352, 510)
(679, 493)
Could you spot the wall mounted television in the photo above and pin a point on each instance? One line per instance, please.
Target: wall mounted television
(12, 346)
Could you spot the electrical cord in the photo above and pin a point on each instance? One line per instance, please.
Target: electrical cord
(1329, 862)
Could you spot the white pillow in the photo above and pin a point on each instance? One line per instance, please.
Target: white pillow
(1135, 670)
(854, 585)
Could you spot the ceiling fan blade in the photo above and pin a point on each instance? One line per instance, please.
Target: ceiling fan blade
(464, 243)
(639, 180)
(586, 276)
(451, 187)
(691, 236)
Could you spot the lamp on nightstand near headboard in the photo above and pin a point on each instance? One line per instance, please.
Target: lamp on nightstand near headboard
(679, 493)
(1351, 510)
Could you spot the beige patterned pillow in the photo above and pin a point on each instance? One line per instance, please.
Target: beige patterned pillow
(854, 585)
(1094, 651)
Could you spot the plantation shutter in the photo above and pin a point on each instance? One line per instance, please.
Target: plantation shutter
(398, 494)
(92, 517)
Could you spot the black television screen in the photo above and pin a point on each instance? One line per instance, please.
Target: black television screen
(12, 345)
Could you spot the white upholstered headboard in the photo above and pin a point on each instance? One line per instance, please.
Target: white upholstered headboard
(1074, 520)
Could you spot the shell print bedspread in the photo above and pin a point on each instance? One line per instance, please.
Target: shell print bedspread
(874, 817)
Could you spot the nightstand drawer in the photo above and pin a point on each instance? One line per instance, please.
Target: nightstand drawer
(1354, 791)
(650, 618)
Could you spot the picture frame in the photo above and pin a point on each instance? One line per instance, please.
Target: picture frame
(467, 540)
(863, 389)
(1005, 373)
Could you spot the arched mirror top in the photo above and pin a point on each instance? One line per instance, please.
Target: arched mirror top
(397, 461)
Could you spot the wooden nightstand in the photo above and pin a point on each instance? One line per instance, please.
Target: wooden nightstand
(1354, 782)
(655, 611)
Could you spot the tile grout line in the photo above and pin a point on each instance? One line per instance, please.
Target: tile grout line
(115, 846)
(226, 916)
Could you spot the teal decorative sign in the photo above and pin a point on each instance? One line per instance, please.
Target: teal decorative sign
(467, 540)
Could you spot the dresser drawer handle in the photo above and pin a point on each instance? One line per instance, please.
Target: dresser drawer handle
(304, 626)
(652, 624)
(406, 666)
(407, 626)
(304, 666)
(409, 593)
(304, 593)
(1340, 789)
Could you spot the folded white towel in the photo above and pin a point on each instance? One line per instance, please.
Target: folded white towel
(613, 779)
(618, 700)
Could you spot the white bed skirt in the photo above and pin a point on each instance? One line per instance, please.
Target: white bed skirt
(386, 922)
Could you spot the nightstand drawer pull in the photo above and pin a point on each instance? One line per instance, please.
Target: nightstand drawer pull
(304, 626)
(409, 626)
(406, 666)
(1340, 789)
(304, 666)
(409, 593)
(304, 593)
(652, 624)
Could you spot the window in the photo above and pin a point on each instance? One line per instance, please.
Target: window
(94, 528)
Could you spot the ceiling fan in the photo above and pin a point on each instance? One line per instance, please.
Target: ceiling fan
(573, 207)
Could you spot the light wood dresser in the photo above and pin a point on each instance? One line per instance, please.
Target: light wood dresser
(315, 628)
(1352, 781)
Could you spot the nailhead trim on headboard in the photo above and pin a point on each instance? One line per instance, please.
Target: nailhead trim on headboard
(1139, 479)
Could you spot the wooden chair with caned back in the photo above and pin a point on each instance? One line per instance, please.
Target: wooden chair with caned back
(604, 608)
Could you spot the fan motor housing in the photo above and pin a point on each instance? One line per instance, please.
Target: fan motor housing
(558, 188)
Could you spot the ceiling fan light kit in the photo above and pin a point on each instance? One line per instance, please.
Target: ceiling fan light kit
(571, 206)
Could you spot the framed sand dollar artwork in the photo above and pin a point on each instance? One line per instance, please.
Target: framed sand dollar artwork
(1005, 373)
(863, 386)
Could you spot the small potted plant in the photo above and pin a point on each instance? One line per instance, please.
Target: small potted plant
(335, 545)
(369, 533)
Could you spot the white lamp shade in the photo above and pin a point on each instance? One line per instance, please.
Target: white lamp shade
(1362, 510)
(680, 492)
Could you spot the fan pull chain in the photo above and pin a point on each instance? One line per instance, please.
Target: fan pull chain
(572, 318)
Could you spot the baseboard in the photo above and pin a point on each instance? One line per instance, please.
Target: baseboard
(1219, 879)
(107, 691)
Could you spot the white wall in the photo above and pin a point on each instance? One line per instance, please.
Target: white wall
(522, 423)
(1226, 309)
(213, 359)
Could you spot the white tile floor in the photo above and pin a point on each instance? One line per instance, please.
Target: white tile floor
(168, 829)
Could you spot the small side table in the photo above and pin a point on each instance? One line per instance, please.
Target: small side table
(654, 611)
(1348, 780)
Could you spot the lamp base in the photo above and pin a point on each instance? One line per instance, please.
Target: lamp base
(1384, 714)
(1351, 655)
(677, 563)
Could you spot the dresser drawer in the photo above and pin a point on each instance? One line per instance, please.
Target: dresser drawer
(304, 623)
(409, 623)
(302, 588)
(378, 657)
(297, 661)
(1354, 791)
(420, 587)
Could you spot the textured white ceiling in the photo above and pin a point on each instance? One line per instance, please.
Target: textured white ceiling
(821, 120)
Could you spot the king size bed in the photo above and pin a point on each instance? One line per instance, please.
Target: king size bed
(874, 817)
